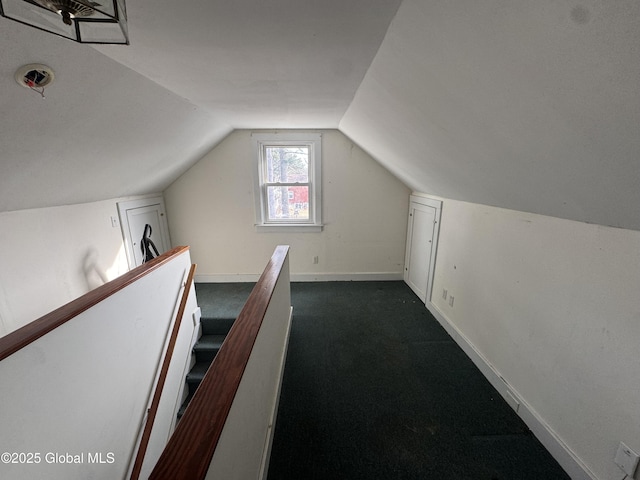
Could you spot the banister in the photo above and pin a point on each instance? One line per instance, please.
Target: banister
(190, 449)
(14, 341)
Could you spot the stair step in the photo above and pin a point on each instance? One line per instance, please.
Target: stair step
(220, 306)
(195, 376)
(183, 407)
(222, 299)
(216, 325)
(207, 347)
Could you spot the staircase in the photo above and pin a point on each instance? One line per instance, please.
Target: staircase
(220, 304)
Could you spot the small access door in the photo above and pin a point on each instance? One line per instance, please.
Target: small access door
(424, 215)
(135, 215)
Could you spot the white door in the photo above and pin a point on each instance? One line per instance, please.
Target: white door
(420, 255)
(134, 217)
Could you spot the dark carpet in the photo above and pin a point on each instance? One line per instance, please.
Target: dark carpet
(374, 388)
(222, 300)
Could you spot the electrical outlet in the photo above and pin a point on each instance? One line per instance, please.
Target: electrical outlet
(626, 459)
(315, 260)
(444, 293)
(451, 301)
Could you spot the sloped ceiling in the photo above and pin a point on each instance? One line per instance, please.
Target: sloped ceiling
(258, 63)
(125, 120)
(103, 131)
(533, 106)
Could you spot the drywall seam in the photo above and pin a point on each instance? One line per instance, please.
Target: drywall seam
(567, 459)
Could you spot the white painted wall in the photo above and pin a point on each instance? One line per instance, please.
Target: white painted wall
(49, 256)
(211, 208)
(552, 305)
(85, 387)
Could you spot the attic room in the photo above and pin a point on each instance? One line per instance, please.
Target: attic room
(520, 118)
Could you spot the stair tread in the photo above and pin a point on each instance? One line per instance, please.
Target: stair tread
(209, 342)
(183, 407)
(216, 316)
(216, 326)
(196, 374)
(220, 305)
(222, 299)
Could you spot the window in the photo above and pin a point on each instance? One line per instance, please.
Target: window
(288, 192)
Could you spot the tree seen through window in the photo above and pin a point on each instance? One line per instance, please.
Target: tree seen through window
(287, 182)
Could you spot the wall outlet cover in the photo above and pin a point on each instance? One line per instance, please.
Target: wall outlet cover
(197, 313)
(626, 459)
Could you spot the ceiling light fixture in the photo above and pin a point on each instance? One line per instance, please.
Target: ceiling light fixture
(84, 21)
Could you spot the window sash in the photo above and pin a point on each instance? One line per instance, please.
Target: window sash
(274, 219)
(270, 170)
(310, 143)
(266, 214)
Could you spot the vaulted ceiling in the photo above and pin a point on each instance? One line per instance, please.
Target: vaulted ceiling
(533, 106)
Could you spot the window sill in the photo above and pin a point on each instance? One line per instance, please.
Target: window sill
(288, 228)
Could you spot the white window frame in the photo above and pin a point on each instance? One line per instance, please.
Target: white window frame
(314, 142)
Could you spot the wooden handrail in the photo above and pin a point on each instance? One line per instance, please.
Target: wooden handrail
(20, 338)
(157, 394)
(191, 447)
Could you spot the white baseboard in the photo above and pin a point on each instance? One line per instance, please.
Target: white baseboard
(305, 277)
(266, 456)
(567, 459)
(227, 278)
(346, 277)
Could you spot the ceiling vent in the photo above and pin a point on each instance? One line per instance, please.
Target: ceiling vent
(35, 76)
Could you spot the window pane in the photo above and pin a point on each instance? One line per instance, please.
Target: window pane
(287, 164)
(288, 203)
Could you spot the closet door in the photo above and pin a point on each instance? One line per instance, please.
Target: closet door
(420, 248)
(135, 215)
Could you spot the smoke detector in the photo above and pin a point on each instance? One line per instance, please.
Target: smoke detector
(35, 76)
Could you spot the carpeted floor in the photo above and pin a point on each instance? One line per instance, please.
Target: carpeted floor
(222, 300)
(374, 388)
